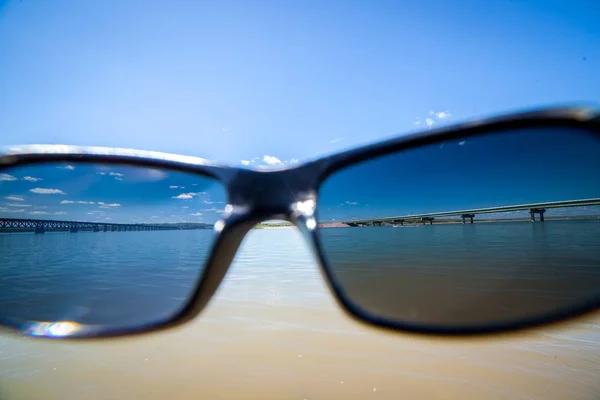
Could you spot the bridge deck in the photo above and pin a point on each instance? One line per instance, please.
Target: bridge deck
(489, 210)
(42, 225)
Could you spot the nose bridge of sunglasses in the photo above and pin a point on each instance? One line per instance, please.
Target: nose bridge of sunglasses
(272, 195)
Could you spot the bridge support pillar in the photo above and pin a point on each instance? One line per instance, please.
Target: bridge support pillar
(74, 229)
(425, 220)
(534, 211)
(39, 229)
(467, 216)
(105, 228)
(96, 228)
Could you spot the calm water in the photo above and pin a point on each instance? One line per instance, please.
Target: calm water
(273, 330)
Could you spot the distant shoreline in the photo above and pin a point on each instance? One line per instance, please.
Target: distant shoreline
(475, 221)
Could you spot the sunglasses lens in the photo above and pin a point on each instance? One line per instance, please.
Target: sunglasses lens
(473, 233)
(101, 245)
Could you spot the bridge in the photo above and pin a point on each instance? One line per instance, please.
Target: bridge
(428, 218)
(43, 225)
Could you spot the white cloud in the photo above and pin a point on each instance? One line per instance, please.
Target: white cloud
(116, 175)
(67, 167)
(113, 205)
(86, 202)
(336, 140)
(18, 205)
(196, 214)
(185, 207)
(15, 198)
(101, 173)
(32, 179)
(271, 160)
(433, 115)
(352, 203)
(12, 210)
(39, 213)
(177, 187)
(462, 143)
(7, 177)
(67, 202)
(183, 196)
(293, 161)
(46, 191)
(212, 209)
(60, 213)
(246, 162)
(187, 196)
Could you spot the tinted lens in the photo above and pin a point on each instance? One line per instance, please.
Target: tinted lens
(112, 246)
(444, 235)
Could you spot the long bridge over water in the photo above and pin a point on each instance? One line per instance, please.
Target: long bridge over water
(533, 209)
(43, 225)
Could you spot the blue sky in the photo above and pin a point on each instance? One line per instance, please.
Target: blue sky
(108, 193)
(280, 81)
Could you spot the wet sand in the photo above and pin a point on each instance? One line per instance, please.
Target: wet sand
(261, 343)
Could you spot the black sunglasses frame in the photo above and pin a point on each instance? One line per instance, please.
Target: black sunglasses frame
(290, 194)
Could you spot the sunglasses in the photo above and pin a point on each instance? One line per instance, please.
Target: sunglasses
(482, 227)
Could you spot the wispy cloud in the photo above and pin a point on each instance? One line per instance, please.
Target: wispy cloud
(213, 209)
(196, 214)
(60, 213)
(67, 202)
(11, 210)
(46, 191)
(462, 143)
(433, 118)
(118, 176)
(177, 187)
(15, 198)
(32, 179)
(67, 167)
(7, 177)
(112, 205)
(39, 213)
(336, 140)
(18, 205)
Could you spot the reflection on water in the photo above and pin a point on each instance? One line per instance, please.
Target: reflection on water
(274, 332)
(467, 274)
